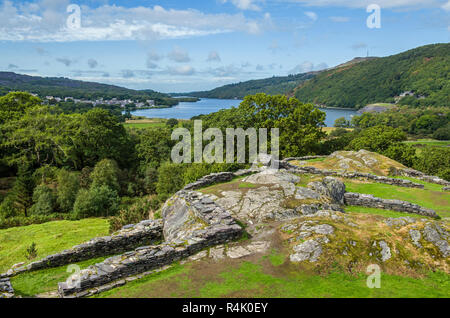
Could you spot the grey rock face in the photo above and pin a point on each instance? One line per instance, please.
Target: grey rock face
(330, 187)
(436, 235)
(307, 251)
(385, 251)
(415, 237)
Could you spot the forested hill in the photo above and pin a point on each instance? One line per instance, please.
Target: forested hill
(273, 85)
(424, 70)
(64, 87)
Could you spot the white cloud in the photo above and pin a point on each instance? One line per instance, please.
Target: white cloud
(312, 15)
(446, 6)
(92, 63)
(307, 66)
(184, 70)
(45, 21)
(244, 4)
(179, 55)
(365, 3)
(214, 57)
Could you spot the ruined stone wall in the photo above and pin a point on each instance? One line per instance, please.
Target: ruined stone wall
(130, 237)
(6, 290)
(370, 201)
(421, 176)
(220, 228)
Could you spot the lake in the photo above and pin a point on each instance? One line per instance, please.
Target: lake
(206, 106)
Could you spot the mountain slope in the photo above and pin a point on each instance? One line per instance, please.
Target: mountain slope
(64, 87)
(273, 85)
(424, 70)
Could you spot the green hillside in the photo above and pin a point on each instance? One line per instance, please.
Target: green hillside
(424, 70)
(64, 87)
(273, 86)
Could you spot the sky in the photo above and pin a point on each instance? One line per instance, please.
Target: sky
(183, 46)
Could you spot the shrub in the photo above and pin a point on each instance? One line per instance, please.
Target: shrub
(96, 202)
(8, 208)
(31, 252)
(170, 179)
(405, 154)
(106, 173)
(44, 201)
(442, 133)
(172, 122)
(143, 209)
(68, 186)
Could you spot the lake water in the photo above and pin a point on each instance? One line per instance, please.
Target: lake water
(207, 106)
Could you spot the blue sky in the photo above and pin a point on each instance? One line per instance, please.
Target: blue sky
(180, 45)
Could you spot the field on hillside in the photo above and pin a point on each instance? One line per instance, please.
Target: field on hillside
(49, 237)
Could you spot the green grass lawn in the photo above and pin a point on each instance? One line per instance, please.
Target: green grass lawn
(49, 237)
(431, 197)
(32, 283)
(145, 125)
(265, 278)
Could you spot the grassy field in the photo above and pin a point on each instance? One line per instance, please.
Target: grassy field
(146, 123)
(428, 143)
(50, 238)
(32, 283)
(385, 213)
(273, 276)
(431, 197)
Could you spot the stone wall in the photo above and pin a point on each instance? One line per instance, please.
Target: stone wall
(353, 175)
(6, 290)
(420, 175)
(370, 201)
(219, 227)
(210, 179)
(128, 238)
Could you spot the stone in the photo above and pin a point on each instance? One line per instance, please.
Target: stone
(385, 251)
(307, 251)
(436, 235)
(415, 237)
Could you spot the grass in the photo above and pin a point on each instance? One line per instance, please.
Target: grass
(49, 237)
(429, 143)
(430, 197)
(263, 279)
(30, 284)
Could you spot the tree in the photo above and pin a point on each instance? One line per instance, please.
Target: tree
(170, 179)
(172, 122)
(154, 146)
(44, 201)
(67, 189)
(22, 190)
(342, 122)
(99, 136)
(14, 104)
(96, 202)
(106, 173)
(377, 139)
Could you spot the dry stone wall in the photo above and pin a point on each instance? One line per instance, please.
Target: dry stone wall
(128, 238)
(370, 201)
(219, 227)
(6, 290)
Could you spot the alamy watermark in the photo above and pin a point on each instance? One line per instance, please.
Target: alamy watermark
(73, 21)
(374, 278)
(374, 20)
(235, 138)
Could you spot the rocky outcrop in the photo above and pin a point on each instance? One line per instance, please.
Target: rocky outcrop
(191, 223)
(370, 201)
(6, 290)
(129, 237)
(438, 236)
(331, 187)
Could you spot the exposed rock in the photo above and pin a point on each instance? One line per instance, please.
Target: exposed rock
(307, 251)
(330, 187)
(415, 237)
(385, 251)
(436, 235)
